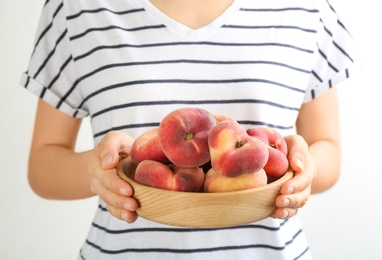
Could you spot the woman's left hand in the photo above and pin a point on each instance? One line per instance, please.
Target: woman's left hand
(295, 192)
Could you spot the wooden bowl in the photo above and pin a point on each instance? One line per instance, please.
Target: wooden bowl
(205, 210)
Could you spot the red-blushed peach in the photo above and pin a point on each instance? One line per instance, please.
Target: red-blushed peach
(215, 182)
(234, 152)
(169, 176)
(220, 118)
(183, 136)
(146, 147)
(277, 163)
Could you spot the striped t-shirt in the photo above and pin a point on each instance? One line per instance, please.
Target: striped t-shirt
(126, 65)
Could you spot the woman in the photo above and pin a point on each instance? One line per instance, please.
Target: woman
(127, 64)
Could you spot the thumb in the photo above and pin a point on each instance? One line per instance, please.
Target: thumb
(108, 161)
(297, 149)
(297, 164)
(113, 147)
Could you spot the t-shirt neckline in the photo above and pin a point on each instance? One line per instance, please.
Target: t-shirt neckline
(185, 31)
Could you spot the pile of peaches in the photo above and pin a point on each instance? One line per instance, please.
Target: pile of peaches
(193, 150)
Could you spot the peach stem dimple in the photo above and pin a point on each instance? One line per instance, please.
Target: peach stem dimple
(239, 143)
(189, 136)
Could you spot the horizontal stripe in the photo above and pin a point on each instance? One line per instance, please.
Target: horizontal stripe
(184, 230)
(114, 27)
(183, 251)
(279, 9)
(270, 27)
(194, 250)
(187, 81)
(192, 102)
(296, 258)
(98, 10)
(171, 44)
(189, 61)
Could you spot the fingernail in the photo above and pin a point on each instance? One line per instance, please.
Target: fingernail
(107, 160)
(299, 163)
(285, 214)
(289, 191)
(124, 216)
(127, 206)
(286, 203)
(122, 191)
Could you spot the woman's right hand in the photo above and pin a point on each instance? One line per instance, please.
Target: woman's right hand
(105, 182)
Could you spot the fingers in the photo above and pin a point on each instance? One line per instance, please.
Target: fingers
(105, 182)
(121, 207)
(288, 205)
(116, 194)
(110, 180)
(295, 192)
(284, 213)
(300, 182)
(114, 146)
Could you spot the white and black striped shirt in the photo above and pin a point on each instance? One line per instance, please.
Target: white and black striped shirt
(126, 65)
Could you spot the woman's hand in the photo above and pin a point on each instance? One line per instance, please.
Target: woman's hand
(105, 182)
(295, 192)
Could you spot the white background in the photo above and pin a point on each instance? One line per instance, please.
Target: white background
(343, 223)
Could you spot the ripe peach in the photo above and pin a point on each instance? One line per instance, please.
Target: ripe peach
(219, 118)
(183, 136)
(215, 182)
(277, 163)
(146, 147)
(234, 152)
(170, 177)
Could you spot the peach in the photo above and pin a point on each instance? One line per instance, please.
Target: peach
(183, 136)
(234, 152)
(215, 182)
(146, 147)
(169, 176)
(220, 118)
(277, 163)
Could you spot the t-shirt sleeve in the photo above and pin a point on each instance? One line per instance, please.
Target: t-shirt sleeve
(335, 53)
(51, 73)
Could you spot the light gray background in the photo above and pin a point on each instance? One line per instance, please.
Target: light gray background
(343, 223)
